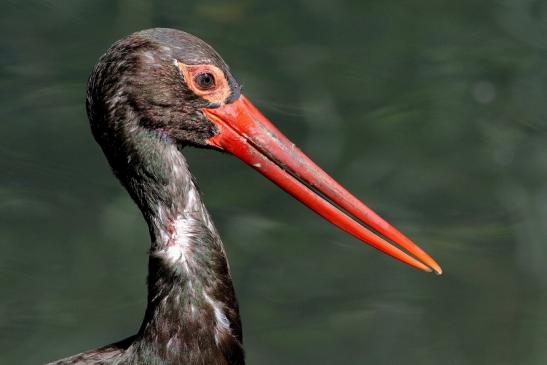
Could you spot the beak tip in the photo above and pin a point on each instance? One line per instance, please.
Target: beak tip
(431, 263)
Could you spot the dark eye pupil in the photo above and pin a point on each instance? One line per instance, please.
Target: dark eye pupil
(205, 80)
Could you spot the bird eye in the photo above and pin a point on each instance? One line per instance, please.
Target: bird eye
(205, 80)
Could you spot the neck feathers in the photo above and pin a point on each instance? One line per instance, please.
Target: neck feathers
(192, 314)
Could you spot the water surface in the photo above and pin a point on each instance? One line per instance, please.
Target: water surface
(432, 112)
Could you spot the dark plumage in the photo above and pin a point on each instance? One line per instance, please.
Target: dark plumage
(142, 114)
(152, 94)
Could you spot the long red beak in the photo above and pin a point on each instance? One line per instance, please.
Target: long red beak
(249, 135)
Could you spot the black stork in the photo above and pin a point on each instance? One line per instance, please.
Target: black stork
(149, 96)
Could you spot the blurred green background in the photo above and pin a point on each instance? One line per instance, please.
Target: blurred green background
(433, 112)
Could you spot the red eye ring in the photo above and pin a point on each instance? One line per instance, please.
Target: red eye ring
(206, 81)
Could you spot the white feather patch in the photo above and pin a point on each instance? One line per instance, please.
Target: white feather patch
(179, 244)
(222, 322)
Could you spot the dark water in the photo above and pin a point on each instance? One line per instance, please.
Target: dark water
(433, 112)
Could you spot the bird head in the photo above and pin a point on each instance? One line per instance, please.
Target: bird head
(177, 88)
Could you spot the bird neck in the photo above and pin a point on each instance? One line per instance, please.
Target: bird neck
(191, 300)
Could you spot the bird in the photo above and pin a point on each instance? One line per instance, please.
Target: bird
(151, 95)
